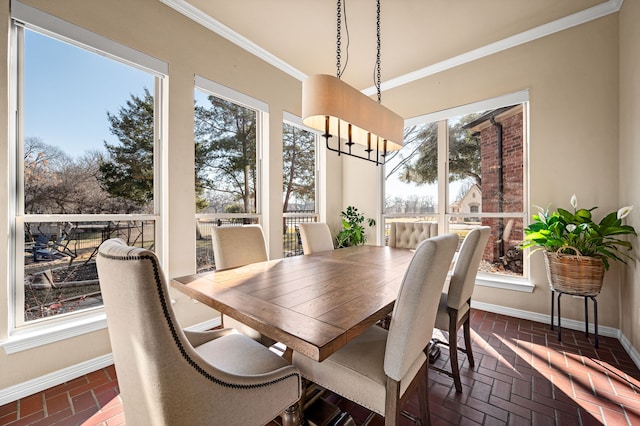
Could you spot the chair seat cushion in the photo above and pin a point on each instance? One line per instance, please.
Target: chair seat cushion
(442, 317)
(242, 355)
(356, 371)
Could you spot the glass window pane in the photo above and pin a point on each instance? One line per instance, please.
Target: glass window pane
(298, 169)
(486, 180)
(225, 156)
(60, 273)
(411, 174)
(88, 131)
(486, 152)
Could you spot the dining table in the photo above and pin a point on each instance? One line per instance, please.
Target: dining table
(314, 304)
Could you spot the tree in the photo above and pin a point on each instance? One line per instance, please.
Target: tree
(127, 170)
(225, 143)
(298, 165)
(43, 165)
(419, 163)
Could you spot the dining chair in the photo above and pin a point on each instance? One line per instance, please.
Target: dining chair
(171, 376)
(316, 237)
(380, 369)
(454, 308)
(409, 234)
(235, 246)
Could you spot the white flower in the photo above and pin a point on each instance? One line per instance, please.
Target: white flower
(574, 201)
(570, 227)
(624, 212)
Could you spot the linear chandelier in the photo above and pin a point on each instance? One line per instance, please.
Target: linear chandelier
(337, 109)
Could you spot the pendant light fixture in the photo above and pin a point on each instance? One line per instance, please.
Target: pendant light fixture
(339, 110)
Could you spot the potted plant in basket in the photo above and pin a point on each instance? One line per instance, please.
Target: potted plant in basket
(577, 249)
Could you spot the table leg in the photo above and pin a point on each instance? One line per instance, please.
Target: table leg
(291, 416)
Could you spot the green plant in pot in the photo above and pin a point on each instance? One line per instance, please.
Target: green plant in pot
(577, 248)
(353, 228)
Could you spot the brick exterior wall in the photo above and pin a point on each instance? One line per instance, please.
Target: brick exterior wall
(513, 180)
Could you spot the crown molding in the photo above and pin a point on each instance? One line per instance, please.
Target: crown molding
(595, 12)
(222, 30)
(584, 16)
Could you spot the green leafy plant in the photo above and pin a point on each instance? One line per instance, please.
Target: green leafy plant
(353, 230)
(561, 230)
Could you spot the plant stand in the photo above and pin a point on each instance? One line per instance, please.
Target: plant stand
(586, 314)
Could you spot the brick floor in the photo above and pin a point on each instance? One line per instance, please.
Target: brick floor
(523, 376)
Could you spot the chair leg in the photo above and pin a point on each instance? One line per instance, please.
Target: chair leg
(453, 348)
(467, 341)
(393, 408)
(453, 358)
(423, 399)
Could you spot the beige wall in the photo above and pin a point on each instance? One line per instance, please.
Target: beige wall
(629, 159)
(573, 81)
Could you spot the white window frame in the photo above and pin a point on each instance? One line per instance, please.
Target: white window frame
(21, 335)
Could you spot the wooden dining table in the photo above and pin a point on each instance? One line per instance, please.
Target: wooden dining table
(314, 304)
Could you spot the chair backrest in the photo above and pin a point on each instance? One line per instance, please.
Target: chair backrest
(235, 246)
(316, 237)
(465, 270)
(410, 234)
(414, 313)
(162, 379)
(146, 340)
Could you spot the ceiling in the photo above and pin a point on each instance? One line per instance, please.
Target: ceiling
(419, 37)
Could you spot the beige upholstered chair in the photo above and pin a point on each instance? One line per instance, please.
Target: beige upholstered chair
(380, 369)
(168, 376)
(316, 237)
(235, 246)
(409, 234)
(455, 304)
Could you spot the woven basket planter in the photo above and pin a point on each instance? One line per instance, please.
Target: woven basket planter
(575, 274)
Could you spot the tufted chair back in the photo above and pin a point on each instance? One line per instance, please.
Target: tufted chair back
(410, 234)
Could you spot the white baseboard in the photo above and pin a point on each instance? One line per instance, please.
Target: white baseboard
(15, 392)
(633, 352)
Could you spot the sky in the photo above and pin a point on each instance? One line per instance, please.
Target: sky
(68, 91)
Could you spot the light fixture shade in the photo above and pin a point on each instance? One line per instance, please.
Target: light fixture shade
(327, 96)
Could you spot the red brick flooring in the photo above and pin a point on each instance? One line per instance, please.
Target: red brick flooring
(523, 376)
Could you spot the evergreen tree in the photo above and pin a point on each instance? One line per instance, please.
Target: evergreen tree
(127, 169)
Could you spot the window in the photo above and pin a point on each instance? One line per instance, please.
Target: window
(86, 143)
(299, 174)
(227, 130)
(484, 147)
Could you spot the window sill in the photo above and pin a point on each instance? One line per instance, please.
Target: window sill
(44, 334)
(505, 282)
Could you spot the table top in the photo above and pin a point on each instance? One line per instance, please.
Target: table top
(314, 304)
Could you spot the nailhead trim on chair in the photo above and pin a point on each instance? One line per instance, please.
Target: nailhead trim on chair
(174, 334)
